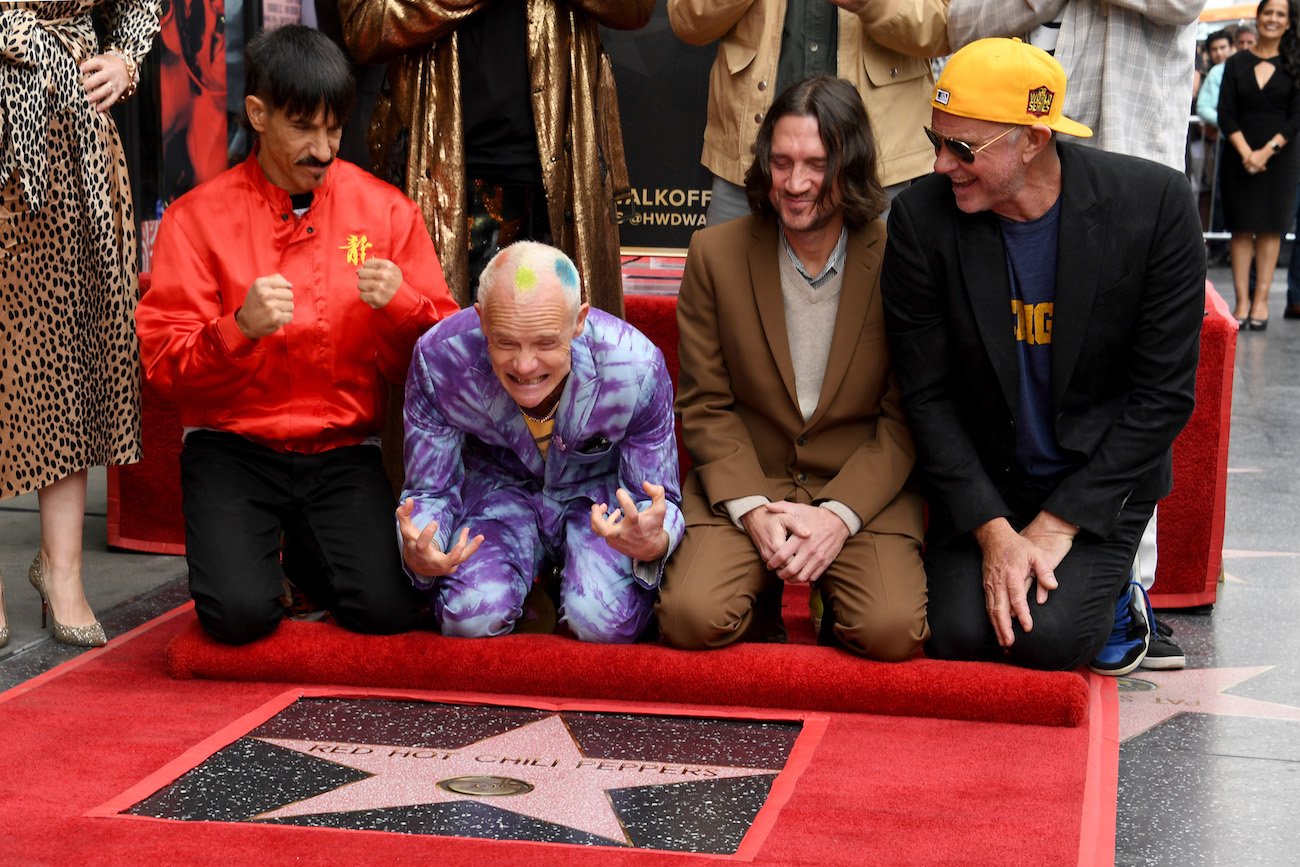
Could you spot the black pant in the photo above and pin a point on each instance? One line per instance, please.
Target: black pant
(1068, 630)
(335, 510)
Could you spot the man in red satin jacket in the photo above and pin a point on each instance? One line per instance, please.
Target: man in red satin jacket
(287, 293)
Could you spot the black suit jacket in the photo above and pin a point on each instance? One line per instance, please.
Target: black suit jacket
(1125, 338)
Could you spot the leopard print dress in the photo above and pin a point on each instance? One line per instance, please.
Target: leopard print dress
(69, 363)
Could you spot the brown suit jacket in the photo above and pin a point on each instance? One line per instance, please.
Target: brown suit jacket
(736, 394)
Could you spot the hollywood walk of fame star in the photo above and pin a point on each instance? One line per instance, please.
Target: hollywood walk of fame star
(564, 786)
(1192, 690)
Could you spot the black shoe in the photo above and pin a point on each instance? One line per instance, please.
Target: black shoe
(540, 615)
(1162, 653)
(1257, 324)
(823, 618)
(1291, 311)
(767, 627)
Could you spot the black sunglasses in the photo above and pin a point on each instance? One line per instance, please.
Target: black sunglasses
(958, 148)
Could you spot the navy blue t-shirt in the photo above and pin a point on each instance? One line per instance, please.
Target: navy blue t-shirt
(1031, 266)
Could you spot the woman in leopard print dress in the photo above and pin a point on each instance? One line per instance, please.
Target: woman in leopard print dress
(69, 365)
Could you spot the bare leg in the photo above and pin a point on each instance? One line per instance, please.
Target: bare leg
(1242, 248)
(1266, 251)
(63, 509)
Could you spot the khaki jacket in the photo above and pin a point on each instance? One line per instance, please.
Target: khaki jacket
(417, 141)
(882, 51)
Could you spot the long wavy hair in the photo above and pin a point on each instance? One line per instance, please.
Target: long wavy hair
(1289, 49)
(850, 148)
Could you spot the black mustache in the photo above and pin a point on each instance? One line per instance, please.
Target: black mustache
(313, 163)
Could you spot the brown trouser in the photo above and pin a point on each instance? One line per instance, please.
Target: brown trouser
(875, 589)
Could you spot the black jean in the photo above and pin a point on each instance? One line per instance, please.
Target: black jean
(335, 511)
(1069, 629)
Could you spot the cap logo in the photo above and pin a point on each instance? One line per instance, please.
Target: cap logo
(1040, 101)
(941, 96)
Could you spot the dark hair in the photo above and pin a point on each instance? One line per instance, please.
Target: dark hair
(298, 70)
(1216, 36)
(846, 135)
(1289, 48)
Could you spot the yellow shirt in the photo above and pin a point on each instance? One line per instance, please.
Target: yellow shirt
(541, 431)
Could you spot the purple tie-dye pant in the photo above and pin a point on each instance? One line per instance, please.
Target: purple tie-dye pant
(599, 599)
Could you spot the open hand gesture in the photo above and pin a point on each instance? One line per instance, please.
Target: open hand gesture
(420, 553)
(639, 535)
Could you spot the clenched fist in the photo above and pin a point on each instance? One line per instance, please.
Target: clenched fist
(378, 281)
(268, 307)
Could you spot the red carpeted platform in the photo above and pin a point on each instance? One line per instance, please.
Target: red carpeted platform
(1189, 530)
(876, 790)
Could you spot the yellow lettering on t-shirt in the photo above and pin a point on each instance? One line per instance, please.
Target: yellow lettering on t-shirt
(1033, 322)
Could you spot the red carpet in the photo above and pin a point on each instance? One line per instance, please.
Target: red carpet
(754, 675)
(878, 789)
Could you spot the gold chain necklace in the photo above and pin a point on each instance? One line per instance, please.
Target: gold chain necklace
(550, 415)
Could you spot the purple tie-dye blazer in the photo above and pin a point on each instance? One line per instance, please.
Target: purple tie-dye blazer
(465, 436)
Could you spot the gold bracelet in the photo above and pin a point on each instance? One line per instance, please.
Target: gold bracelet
(132, 69)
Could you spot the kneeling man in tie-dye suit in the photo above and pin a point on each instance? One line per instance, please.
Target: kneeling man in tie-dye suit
(539, 432)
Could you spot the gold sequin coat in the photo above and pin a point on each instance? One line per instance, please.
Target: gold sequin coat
(416, 132)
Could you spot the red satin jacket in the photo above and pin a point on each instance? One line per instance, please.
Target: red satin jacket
(319, 382)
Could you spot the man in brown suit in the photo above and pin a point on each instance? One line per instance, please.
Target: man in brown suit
(789, 407)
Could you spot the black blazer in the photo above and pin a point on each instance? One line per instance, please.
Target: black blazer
(1125, 339)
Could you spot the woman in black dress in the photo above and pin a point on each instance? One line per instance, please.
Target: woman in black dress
(1259, 113)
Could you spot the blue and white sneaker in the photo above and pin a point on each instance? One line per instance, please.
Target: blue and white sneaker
(1129, 637)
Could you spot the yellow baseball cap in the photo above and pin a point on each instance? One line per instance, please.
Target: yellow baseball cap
(1006, 81)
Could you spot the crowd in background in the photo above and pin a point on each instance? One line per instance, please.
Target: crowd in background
(1247, 110)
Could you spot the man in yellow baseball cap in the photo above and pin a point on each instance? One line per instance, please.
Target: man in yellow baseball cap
(1043, 301)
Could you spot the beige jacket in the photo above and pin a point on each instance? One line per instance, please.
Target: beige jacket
(416, 133)
(882, 51)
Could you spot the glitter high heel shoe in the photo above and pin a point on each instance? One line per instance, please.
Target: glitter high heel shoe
(4, 630)
(78, 636)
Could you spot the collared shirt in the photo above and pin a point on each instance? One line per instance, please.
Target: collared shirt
(319, 382)
(809, 40)
(834, 263)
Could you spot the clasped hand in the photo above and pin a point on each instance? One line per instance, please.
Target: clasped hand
(1257, 160)
(422, 555)
(1015, 561)
(796, 541)
(639, 535)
